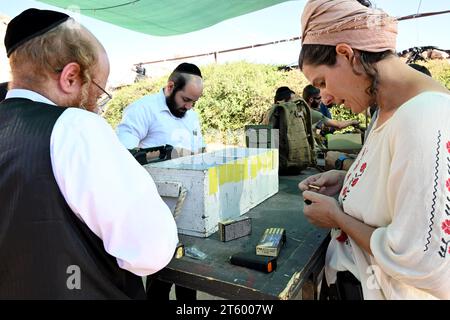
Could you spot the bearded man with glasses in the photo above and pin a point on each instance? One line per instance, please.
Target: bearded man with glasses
(103, 99)
(167, 117)
(72, 226)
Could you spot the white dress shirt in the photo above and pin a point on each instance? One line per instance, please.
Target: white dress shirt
(108, 190)
(148, 122)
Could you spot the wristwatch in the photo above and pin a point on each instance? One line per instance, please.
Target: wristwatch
(339, 163)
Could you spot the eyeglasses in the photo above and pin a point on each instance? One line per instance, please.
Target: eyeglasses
(317, 98)
(104, 98)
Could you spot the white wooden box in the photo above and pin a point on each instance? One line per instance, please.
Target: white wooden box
(220, 185)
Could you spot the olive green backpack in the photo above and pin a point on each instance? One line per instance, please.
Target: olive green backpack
(296, 141)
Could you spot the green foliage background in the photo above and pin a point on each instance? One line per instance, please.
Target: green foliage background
(128, 94)
(440, 71)
(240, 93)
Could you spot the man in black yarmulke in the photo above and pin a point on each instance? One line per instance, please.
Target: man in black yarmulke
(30, 24)
(72, 226)
(188, 68)
(168, 116)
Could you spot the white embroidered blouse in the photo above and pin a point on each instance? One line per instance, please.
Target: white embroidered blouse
(400, 184)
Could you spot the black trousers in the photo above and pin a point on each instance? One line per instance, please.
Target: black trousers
(160, 291)
(347, 287)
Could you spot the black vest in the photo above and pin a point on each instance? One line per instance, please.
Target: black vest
(46, 252)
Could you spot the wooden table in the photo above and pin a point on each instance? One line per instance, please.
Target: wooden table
(299, 263)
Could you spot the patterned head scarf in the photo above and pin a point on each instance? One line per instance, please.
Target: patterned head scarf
(330, 22)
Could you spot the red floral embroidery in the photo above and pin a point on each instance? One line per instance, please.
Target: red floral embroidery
(448, 184)
(446, 226)
(355, 175)
(344, 191)
(355, 181)
(363, 167)
(347, 177)
(342, 237)
(448, 146)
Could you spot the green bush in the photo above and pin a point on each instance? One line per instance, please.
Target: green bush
(236, 94)
(440, 70)
(339, 112)
(240, 93)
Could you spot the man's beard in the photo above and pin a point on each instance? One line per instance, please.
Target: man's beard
(174, 109)
(315, 104)
(83, 102)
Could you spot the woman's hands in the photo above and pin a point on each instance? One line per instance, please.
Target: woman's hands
(322, 210)
(329, 182)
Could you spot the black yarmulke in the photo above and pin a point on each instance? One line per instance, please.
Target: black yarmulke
(188, 68)
(29, 24)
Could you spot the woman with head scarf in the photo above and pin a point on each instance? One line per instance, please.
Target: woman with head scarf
(391, 223)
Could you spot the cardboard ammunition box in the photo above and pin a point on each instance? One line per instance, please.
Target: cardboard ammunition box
(221, 185)
(271, 242)
(234, 229)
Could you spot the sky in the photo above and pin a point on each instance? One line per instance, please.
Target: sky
(278, 22)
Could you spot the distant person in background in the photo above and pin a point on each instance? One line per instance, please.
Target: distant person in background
(3, 90)
(325, 109)
(312, 97)
(321, 123)
(140, 69)
(283, 94)
(140, 73)
(290, 117)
